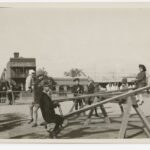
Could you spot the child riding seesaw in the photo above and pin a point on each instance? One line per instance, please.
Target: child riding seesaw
(54, 122)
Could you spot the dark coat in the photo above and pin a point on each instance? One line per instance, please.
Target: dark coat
(37, 91)
(38, 88)
(77, 89)
(47, 108)
(91, 88)
(141, 79)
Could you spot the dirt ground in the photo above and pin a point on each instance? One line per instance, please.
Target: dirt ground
(14, 123)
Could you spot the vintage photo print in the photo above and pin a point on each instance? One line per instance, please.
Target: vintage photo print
(75, 72)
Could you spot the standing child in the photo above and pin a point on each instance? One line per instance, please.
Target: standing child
(124, 86)
(91, 90)
(77, 90)
(141, 81)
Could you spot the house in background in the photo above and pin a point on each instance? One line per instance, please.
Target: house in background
(17, 70)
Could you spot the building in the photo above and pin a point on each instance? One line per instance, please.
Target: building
(65, 84)
(17, 70)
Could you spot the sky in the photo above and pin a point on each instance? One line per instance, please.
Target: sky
(98, 40)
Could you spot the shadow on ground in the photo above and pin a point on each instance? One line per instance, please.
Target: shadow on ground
(10, 121)
(31, 136)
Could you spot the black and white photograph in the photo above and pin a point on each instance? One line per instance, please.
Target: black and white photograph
(75, 71)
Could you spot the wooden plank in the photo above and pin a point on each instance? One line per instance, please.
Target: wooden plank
(143, 118)
(129, 123)
(135, 134)
(124, 95)
(146, 132)
(103, 94)
(125, 119)
(85, 96)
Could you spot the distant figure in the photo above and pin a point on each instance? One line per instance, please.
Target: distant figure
(116, 86)
(77, 90)
(141, 81)
(4, 86)
(29, 81)
(109, 87)
(112, 87)
(91, 90)
(124, 86)
(10, 94)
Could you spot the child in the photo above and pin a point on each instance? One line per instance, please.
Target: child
(141, 81)
(48, 112)
(77, 90)
(124, 86)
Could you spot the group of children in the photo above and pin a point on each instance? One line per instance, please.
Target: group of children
(116, 87)
(42, 89)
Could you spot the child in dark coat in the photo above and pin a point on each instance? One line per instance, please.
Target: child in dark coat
(141, 81)
(48, 110)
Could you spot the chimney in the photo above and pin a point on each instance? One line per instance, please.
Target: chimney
(16, 55)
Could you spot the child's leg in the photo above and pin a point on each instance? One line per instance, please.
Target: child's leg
(139, 98)
(35, 114)
(58, 122)
(76, 104)
(80, 103)
(31, 112)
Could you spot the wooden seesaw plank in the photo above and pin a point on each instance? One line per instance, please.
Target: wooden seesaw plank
(110, 93)
(130, 102)
(125, 118)
(86, 108)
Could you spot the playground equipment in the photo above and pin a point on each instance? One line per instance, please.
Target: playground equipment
(130, 103)
(102, 94)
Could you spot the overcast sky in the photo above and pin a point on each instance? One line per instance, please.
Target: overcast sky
(97, 39)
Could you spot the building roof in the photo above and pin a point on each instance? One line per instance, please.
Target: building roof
(22, 62)
(21, 59)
